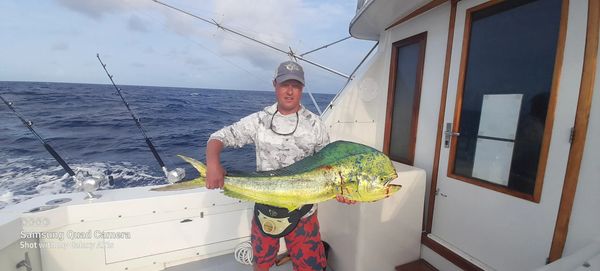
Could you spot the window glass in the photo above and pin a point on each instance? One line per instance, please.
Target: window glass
(507, 83)
(406, 87)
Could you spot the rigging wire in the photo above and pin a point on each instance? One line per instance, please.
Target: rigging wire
(291, 54)
(325, 46)
(227, 29)
(351, 76)
(257, 78)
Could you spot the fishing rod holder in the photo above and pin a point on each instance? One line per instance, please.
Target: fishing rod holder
(175, 175)
(89, 184)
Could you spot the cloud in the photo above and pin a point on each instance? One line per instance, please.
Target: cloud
(182, 24)
(138, 65)
(97, 9)
(270, 21)
(281, 24)
(136, 24)
(60, 46)
(195, 61)
(149, 50)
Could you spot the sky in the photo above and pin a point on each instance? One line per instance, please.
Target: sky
(144, 43)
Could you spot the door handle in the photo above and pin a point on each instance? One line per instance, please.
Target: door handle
(438, 192)
(448, 134)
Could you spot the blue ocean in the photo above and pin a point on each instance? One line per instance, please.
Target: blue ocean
(90, 128)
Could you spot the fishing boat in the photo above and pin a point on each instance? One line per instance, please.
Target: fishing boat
(487, 109)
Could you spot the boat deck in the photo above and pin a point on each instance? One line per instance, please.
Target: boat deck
(223, 262)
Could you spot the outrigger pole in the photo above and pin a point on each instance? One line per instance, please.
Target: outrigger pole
(88, 183)
(290, 53)
(173, 175)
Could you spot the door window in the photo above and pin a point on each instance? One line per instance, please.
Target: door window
(504, 94)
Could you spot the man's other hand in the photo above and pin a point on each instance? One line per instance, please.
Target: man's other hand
(345, 200)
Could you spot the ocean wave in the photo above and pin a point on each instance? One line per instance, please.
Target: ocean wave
(24, 178)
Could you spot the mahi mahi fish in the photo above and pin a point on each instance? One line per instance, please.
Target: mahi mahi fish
(353, 170)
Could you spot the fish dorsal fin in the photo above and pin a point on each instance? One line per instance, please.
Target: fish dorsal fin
(329, 155)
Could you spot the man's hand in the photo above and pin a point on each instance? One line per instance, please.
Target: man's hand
(215, 176)
(343, 199)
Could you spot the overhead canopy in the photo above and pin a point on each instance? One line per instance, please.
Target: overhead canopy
(376, 15)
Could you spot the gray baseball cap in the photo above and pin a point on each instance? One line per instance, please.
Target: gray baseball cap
(289, 70)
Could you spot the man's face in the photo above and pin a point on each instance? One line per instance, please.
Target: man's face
(289, 94)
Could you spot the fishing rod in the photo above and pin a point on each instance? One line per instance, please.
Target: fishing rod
(83, 179)
(172, 176)
(290, 53)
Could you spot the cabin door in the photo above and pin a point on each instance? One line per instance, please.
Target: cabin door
(512, 92)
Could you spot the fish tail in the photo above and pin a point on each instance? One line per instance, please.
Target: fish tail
(189, 184)
(196, 164)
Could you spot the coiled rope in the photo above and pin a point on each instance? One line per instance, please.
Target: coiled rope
(243, 253)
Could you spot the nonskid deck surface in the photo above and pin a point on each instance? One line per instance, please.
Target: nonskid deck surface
(222, 263)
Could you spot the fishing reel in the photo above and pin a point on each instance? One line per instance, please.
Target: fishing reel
(175, 175)
(89, 183)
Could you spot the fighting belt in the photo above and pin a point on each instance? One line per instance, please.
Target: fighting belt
(278, 222)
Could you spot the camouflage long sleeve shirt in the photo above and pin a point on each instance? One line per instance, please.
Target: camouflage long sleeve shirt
(274, 151)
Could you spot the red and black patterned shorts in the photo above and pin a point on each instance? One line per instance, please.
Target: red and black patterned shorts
(303, 243)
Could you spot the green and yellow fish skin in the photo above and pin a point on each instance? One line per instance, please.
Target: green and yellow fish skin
(353, 170)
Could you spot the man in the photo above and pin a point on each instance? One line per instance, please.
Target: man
(282, 133)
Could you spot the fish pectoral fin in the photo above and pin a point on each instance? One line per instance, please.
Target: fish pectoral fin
(199, 166)
(291, 207)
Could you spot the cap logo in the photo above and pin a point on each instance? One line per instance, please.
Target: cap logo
(292, 67)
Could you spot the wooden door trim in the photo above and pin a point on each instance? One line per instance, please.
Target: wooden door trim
(441, 115)
(569, 189)
(448, 254)
(584, 105)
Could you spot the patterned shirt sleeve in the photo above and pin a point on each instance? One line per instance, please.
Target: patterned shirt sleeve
(238, 134)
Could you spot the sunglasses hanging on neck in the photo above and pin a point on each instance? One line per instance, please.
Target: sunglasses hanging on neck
(284, 134)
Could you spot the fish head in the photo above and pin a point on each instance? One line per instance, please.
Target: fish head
(372, 179)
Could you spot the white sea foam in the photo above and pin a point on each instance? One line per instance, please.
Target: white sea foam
(23, 178)
(6, 196)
